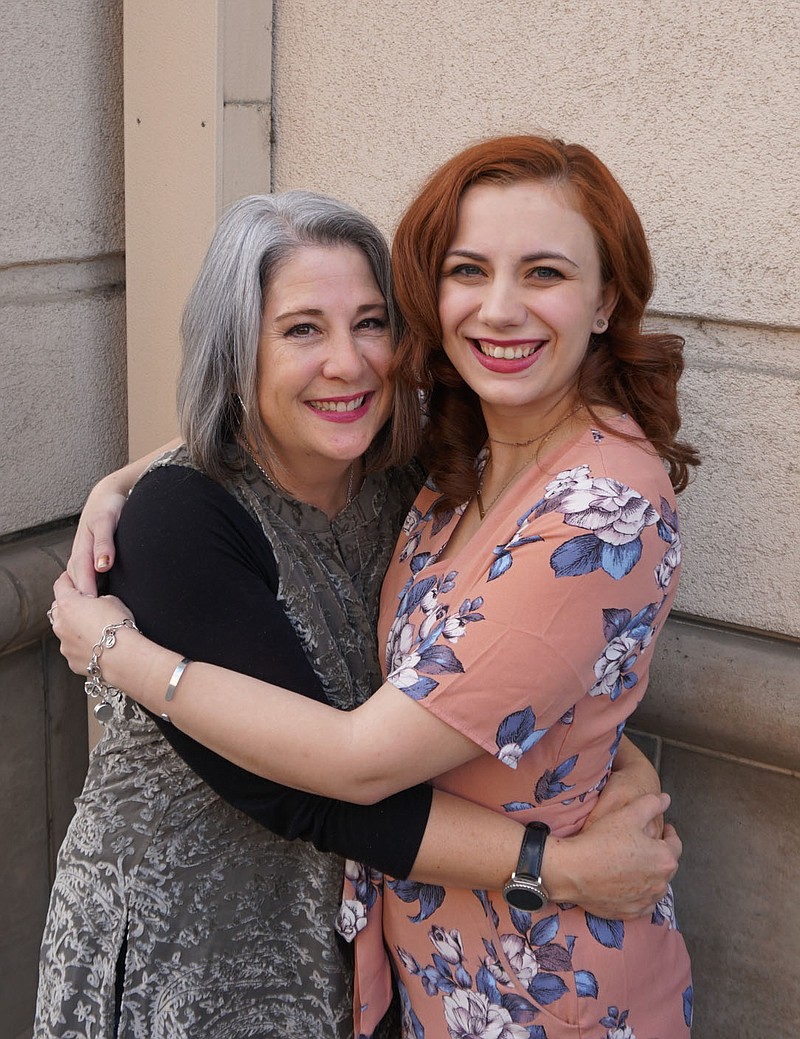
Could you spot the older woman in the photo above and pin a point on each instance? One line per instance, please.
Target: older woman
(311, 445)
(173, 913)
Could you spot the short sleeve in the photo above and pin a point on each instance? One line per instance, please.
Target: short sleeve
(557, 599)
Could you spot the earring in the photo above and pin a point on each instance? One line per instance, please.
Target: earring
(601, 324)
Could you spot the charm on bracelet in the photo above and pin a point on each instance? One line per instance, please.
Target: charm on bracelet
(95, 687)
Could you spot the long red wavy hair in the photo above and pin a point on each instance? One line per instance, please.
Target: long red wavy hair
(624, 368)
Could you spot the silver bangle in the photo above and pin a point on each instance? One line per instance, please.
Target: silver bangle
(177, 674)
(95, 686)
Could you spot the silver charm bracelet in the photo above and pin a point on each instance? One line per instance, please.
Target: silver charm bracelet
(95, 686)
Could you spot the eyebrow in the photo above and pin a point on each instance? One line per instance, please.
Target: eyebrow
(316, 312)
(545, 254)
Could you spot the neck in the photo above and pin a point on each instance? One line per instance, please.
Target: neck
(511, 439)
(330, 491)
(508, 458)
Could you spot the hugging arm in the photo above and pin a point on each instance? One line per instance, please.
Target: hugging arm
(201, 577)
(93, 549)
(183, 599)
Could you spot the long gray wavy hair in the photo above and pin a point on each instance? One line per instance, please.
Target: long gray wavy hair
(218, 386)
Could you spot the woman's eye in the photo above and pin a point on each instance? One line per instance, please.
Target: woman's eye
(301, 331)
(463, 270)
(546, 274)
(373, 324)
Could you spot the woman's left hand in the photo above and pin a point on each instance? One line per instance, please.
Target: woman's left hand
(633, 775)
(78, 621)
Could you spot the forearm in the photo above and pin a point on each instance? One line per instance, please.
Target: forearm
(466, 845)
(122, 480)
(615, 870)
(250, 722)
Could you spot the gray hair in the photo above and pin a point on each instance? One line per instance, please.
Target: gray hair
(218, 387)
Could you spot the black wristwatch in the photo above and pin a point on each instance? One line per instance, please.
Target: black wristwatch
(524, 889)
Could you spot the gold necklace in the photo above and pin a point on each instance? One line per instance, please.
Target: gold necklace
(542, 438)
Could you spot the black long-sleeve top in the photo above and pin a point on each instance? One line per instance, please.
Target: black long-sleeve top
(201, 579)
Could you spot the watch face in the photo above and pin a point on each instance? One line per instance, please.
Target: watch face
(527, 898)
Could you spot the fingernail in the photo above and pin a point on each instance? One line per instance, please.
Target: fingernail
(102, 562)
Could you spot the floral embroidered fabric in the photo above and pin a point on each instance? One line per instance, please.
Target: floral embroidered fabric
(535, 640)
(225, 930)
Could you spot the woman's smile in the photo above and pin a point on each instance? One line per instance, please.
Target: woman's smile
(323, 362)
(504, 355)
(520, 289)
(343, 409)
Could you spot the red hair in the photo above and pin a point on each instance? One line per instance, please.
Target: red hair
(624, 368)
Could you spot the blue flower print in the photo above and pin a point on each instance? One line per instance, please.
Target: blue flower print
(413, 529)
(471, 1015)
(535, 957)
(502, 553)
(411, 1024)
(551, 783)
(688, 1006)
(664, 911)
(628, 636)
(414, 654)
(352, 916)
(429, 896)
(473, 1009)
(610, 933)
(616, 1023)
(668, 531)
(615, 515)
(516, 734)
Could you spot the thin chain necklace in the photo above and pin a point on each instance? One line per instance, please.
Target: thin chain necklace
(273, 483)
(542, 439)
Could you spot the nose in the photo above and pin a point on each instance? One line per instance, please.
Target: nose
(502, 304)
(344, 359)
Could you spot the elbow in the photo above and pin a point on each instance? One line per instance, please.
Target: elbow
(369, 782)
(361, 787)
(364, 772)
(365, 780)
(369, 791)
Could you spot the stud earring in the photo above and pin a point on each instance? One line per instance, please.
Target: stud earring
(601, 324)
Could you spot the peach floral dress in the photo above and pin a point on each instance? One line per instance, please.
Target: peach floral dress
(535, 641)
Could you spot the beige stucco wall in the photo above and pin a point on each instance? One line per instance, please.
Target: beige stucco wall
(62, 320)
(197, 126)
(696, 108)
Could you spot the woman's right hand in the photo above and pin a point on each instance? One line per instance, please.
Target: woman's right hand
(79, 619)
(93, 545)
(615, 869)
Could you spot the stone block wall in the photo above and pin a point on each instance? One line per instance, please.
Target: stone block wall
(62, 311)
(62, 419)
(696, 110)
(43, 753)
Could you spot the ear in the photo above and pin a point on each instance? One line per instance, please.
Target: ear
(609, 297)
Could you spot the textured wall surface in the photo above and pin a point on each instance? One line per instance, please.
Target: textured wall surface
(696, 110)
(43, 750)
(62, 321)
(60, 110)
(735, 788)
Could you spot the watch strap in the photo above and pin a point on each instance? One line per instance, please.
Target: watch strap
(532, 850)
